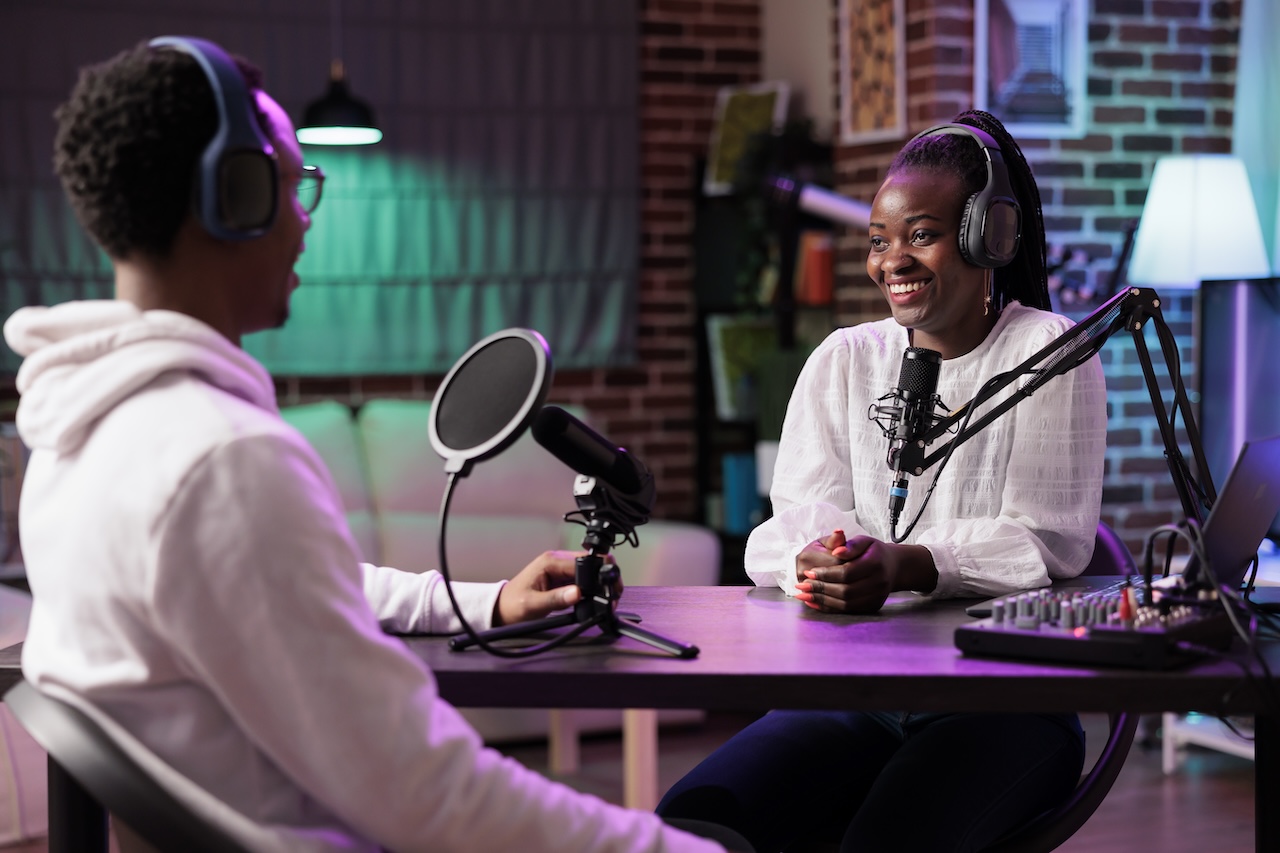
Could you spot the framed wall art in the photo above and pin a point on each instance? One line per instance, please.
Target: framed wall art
(1029, 65)
(873, 71)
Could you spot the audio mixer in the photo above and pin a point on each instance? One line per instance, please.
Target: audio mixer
(1106, 628)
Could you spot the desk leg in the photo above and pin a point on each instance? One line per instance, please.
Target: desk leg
(562, 742)
(640, 758)
(1266, 772)
(76, 822)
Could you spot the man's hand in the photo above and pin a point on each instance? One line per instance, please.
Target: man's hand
(857, 576)
(542, 587)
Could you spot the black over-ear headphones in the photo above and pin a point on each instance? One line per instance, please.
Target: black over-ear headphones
(236, 184)
(992, 222)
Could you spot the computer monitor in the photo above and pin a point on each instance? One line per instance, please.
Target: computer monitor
(1239, 347)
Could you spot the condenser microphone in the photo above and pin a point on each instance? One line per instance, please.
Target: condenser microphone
(587, 452)
(915, 400)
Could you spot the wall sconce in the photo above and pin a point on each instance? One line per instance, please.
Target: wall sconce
(338, 118)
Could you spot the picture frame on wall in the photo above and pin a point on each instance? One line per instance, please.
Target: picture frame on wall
(741, 112)
(1029, 65)
(873, 71)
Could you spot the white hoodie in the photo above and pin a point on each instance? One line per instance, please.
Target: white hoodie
(196, 588)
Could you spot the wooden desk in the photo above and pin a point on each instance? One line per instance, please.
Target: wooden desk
(760, 650)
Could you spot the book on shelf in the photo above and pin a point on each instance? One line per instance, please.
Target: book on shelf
(815, 268)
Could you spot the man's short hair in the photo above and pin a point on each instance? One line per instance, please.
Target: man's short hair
(128, 142)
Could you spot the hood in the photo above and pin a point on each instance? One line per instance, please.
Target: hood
(84, 358)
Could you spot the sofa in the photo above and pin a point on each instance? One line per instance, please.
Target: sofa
(509, 509)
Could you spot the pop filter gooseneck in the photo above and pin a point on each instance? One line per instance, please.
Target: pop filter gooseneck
(484, 403)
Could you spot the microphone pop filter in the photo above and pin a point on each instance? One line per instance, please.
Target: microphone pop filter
(489, 397)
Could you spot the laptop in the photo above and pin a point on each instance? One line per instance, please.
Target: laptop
(1238, 522)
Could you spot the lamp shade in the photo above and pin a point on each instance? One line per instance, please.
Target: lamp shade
(1199, 222)
(338, 118)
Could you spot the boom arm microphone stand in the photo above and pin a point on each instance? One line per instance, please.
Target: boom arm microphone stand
(609, 518)
(1128, 310)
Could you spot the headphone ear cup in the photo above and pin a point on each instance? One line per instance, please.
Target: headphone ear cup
(236, 185)
(1003, 232)
(247, 188)
(991, 225)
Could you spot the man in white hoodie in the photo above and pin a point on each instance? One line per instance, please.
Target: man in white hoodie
(195, 582)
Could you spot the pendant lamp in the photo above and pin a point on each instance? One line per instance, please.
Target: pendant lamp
(338, 118)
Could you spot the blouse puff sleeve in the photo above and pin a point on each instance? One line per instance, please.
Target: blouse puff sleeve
(1037, 522)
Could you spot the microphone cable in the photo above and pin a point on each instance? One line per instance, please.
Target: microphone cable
(474, 635)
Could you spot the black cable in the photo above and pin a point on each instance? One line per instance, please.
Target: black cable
(557, 641)
(1231, 602)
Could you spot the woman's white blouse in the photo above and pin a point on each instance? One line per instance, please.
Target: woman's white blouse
(1016, 506)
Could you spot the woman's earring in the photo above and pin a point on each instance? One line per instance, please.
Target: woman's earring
(988, 295)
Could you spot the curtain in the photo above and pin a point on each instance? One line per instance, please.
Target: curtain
(505, 192)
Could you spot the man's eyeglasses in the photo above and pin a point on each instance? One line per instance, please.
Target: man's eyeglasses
(310, 183)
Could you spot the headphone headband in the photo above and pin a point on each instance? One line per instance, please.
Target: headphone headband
(991, 226)
(236, 184)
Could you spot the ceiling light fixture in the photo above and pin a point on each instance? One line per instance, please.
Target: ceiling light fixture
(338, 118)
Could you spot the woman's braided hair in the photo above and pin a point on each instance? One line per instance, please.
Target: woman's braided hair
(1024, 278)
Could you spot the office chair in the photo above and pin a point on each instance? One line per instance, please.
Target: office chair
(91, 775)
(1110, 557)
(1050, 829)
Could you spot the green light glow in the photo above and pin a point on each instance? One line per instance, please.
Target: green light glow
(339, 135)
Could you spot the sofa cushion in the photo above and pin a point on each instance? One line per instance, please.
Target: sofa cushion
(505, 512)
(329, 428)
(480, 548)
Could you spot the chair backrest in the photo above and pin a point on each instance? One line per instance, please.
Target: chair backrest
(112, 779)
(1049, 830)
(1110, 555)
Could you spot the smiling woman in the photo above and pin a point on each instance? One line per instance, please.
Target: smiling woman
(915, 260)
(957, 249)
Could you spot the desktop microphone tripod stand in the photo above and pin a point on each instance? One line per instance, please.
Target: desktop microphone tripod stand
(594, 576)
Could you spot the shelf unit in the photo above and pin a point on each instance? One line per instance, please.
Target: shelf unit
(1179, 730)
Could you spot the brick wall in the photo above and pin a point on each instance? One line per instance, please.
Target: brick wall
(1161, 80)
